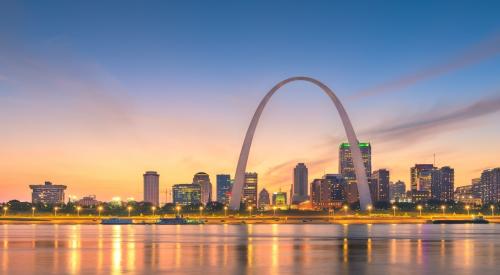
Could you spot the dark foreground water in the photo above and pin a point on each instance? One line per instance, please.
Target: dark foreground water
(250, 249)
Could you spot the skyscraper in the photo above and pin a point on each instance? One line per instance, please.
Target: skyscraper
(421, 177)
(300, 181)
(490, 185)
(203, 179)
(379, 185)
(476, 188)
(152, 187)
(249, 196)
(186, 194)
(264, 199)
(223, 188)
(443, 184)
(397, 191)
(346, 167)
(336, 184)
(47, 193)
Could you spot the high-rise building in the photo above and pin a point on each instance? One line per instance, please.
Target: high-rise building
(186, 194)
(152, 187)
(336, 184)
(464, 194)
(47, 193)
(203, 179)
(223, 188)
(300, 181)
(443, 184)
(264, 199)
(476, 188)
(421, 177)
(346, 167)
(397, 191)
(279, 199)
(249, 196)
(490, 185)
(379, 185)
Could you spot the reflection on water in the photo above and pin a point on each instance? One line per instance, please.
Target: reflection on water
(254, 249)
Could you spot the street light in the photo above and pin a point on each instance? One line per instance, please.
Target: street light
(345, 209)
(250, 210)
(129, 208)
(99, 210)
(153, 208)
(33, 211)
(444, 209)
(201, 211)
(178, 208)
(5, 208)
(394, 210)
(274, 210)
(492, 207)
(369, 210)
(78, 208)
(55, 210)
(225, 211)
(419, 207)
(467, 208)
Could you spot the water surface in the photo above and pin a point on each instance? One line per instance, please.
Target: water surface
(250, 249)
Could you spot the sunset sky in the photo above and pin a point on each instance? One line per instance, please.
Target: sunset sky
(93, 95)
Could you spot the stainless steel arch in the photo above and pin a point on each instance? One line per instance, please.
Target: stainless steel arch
(359, 168)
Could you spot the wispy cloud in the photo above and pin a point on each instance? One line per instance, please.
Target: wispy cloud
(483, 50)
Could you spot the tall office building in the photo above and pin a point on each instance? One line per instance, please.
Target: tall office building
(203, 179)
(421, 177)
(443, 184)
(397, 191)
(346, 167)
(490, 185)
(47, 193)
(476, 188)
(379, 185)
(223, 188)
(152, 187)
(186, 194)
(336, 184)
(249, 196)
(264, 199)
(300, 181)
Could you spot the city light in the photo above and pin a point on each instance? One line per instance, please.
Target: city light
(55, 210)
(5, 208)
(444, 209)
(492, 207)
(467, 207)
(129, 208)
(225, 211)
(394, 209)
(178, 208)
(345, 209)
(369, 210)
(78, 208)
(201, 211)
(274, 210)
(33, 211)
(153, 209)
(250, 210)
(419, 207)
(99, 210)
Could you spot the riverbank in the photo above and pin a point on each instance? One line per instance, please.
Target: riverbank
(348, 219)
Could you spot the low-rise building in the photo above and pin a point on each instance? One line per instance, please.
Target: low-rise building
(47, 193)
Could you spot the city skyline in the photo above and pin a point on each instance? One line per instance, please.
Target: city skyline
(95, 118)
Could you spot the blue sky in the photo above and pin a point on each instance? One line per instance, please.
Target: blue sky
(93, 74)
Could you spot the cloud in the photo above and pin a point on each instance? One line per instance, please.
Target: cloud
(485, 49)
(435, 121)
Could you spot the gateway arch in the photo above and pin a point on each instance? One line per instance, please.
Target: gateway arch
(359, 168)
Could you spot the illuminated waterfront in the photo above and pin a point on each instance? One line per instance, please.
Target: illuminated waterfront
(236, 249)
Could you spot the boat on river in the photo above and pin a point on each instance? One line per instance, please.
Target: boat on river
(178, 220)
(474, 220)
(117, 221)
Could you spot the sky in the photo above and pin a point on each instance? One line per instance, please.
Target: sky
(95, 93)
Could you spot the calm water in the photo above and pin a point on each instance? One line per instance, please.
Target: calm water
(250, 249)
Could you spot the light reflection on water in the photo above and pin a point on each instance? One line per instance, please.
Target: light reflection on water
(253, 249)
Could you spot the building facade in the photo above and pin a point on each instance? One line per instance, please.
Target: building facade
(264, 198)
(421, 177)
(379, 185)
(346, 167)
(443, 184)
(397, 191)
(224, 184)
(88, 201)
(300, 182)
(337, 186)
(279, 199)
(152, 187)
(249, 195)
(47, 193)
(490, 185)
(203, 179)
(186, 194)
